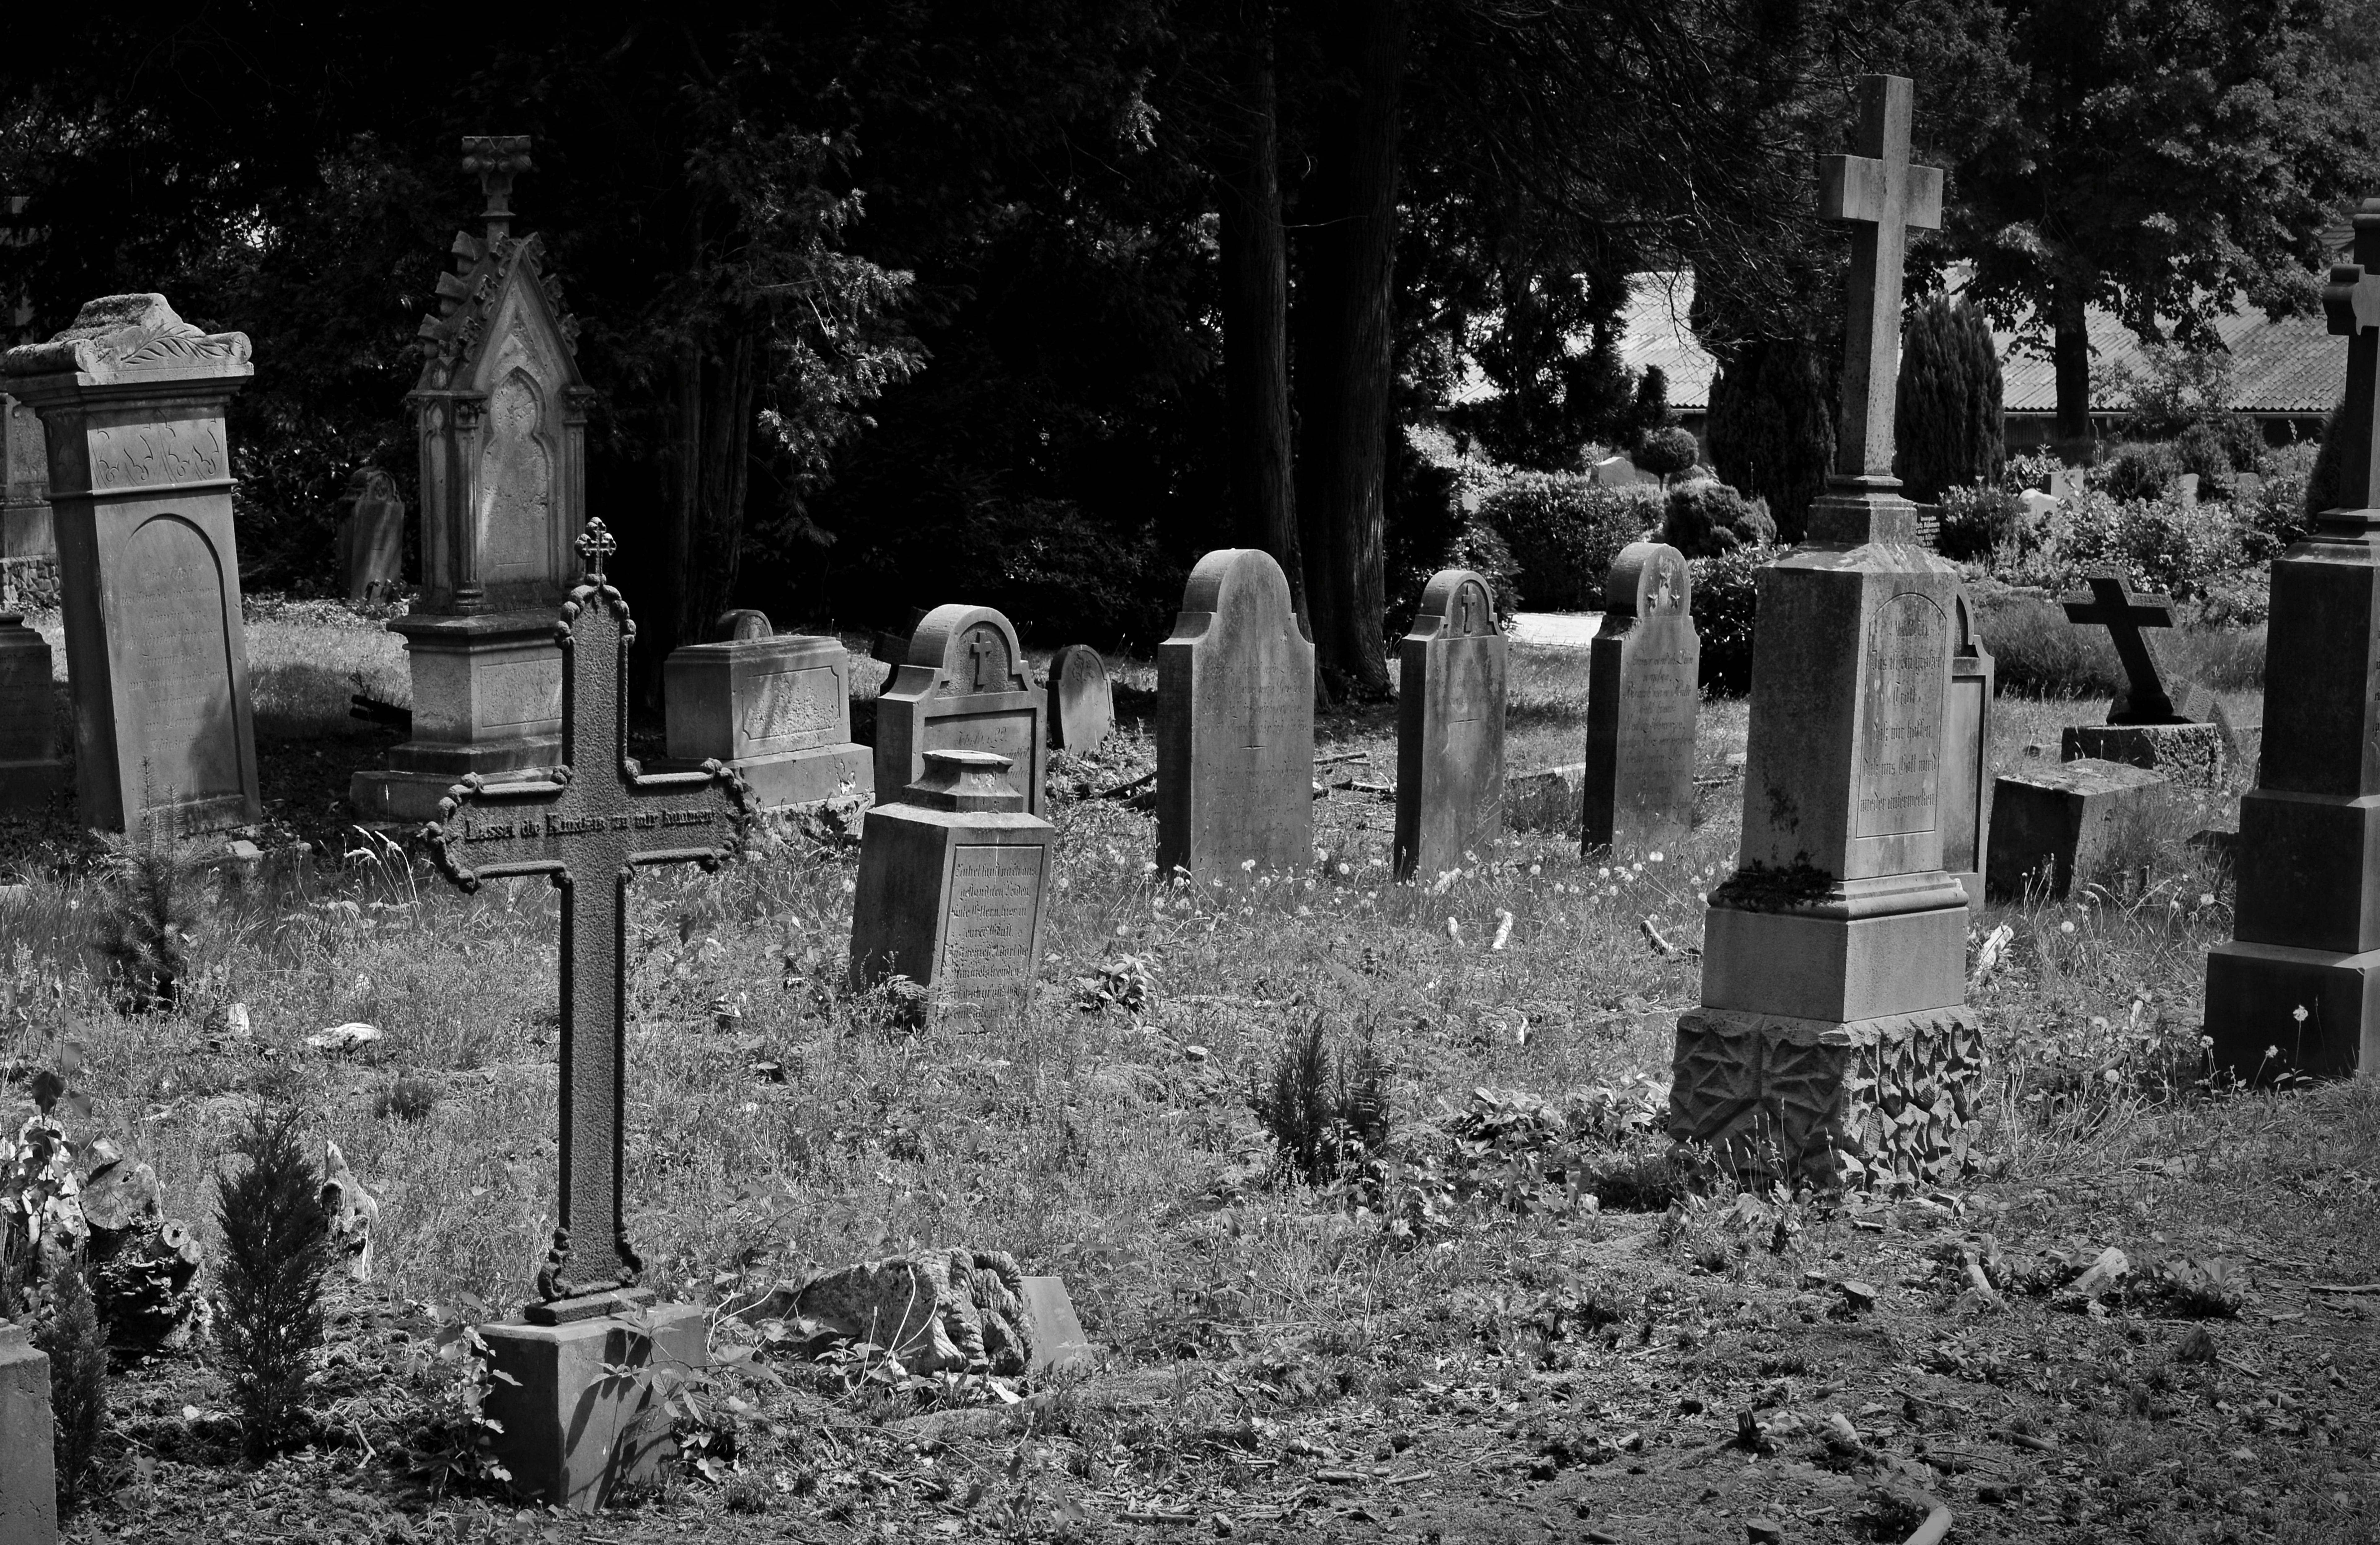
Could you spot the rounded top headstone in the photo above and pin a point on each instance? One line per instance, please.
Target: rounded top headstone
(1232, 578)
(741, 626)
(1649, 580)
(974, 649)
(1456, 604)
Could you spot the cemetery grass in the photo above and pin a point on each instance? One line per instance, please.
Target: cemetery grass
(1461, 1348)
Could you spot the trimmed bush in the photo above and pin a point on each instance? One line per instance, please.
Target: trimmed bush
(2137, 469)
(1563, 532)
(276, 1248)
(1429, 531)
(1772, 429)
(1978, 523)
(1725, 603)
(2201, 450)
(1665, 453)
(1703, 518)
(1946, 413)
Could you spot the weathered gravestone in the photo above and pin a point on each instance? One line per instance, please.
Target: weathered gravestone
(1966, 755)
(2303, 971)
(1617, 471)
(1833, 1044)
(29, 542)
(776, 707)
(1449, 727)
(31, 770)
(1082, 700)
(2153, 723)
(963, 686)
(500, 413)
(29, 1487)
(575, 1430)
(1643, 694)
(2054, 826)
(1235, 723)
(951, 875)
(141, 477)
(370, 538)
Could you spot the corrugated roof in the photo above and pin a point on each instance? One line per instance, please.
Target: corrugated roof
(1654, 331)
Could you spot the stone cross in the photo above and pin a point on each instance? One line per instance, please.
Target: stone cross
(589, 825)
(1882, 196)
(2112, 603)
(2352, 301)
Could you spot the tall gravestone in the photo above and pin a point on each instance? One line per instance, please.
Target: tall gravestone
(1644, 693)
(1236, 723)
(500, 413)
(370, 538)
(2301, 975)
(774, 707)
(1082, 700)
(963, 686)
(1967, 755)
(1449, 726)
(1833, 1044)
(132, 399)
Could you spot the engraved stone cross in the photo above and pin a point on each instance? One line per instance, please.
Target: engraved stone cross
(983, 649)
(589, 825)
(2111, 601)
(1879, 193)
(2353, 300)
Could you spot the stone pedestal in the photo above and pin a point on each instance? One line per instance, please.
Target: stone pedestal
(2054, 826)
(28, 1487)
(2191, 753)
(575, 1435)
(486, 699)
(132, 398)
(1840, 931)
(1449, 727)
(31, 771)
(1235, 723)
(952, 876)
(775, 708)
(1643, 696)
(2308, 855)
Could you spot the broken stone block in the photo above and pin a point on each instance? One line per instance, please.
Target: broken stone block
(2191, 753)
(2054, 823)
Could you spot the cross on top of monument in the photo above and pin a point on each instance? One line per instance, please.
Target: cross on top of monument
(497, 158)
(589, 825)
(2351, 300)
(1882, 195)
(2113, 603)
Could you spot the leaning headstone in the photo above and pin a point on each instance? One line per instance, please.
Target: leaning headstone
(951, 875)
(29, 1487)
(31, 770)
(2301, 974)
(133, 399)
(963, 686)
(2158, 720)
(370, 538)
(1235, 723)
(501, 412)
(1833, 1044)
(1642, 698)
(774, 707)
(1082, 700)
(1449, 727)
(1966, 755)
(585, 1368)
(2052, 826)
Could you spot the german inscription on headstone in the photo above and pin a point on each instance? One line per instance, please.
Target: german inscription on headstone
(964, 685)
(777, 709)
(1082, 700)
(1449, 727)
(1643, 696)
(133, 397)
(1236, 723)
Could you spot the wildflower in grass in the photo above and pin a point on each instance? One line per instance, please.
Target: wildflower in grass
(1655, 857)
(1063, 883)
(849, 885)
(2206, 898)
(2299, 1013)
(1454, 930)
(1305, 911)
(1503, 928)
(1346, 867)
(1537, 870)
(1603, 874)
(1149, 868)
(1247, 866)
(2271, 1052)
(2067, 927)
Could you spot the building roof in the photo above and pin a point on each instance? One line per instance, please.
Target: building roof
(1654, 331)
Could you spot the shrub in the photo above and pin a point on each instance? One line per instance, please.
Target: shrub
(2029, 469)
(1563, 532)
(2277, 514)
(1428, 529)
(1703, 518)
(1947, 405)
(1725, 602)
(143, 920)
(2322, 478)
(1665, 453)
(2201, 450)
(2139, 471)
(276, 1248)
(1324, 1114)
(77, 1344)
(1981, 522)
(1772, 427)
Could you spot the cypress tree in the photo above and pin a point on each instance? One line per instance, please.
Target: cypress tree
(1947, 407)
(1772, 427)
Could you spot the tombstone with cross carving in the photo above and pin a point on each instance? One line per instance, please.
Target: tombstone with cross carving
(1643, 696)
(2298, 989)
(1834, 960)
(1449, 727)
(1235, 723)
(963, 686)
(589, 825)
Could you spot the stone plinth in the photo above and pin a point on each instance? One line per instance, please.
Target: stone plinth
(1235, 723)
(2191, 753)
(28, 1487)
(1082, 700)
(963, 686)
(30, 770)
(132, 398)
(775, 708)
(486, 699)
(952, 877)
(1967, 756)
(575, 1435)
(370, 540)
(2054, 826)
(1643, 696)
(1449, 727)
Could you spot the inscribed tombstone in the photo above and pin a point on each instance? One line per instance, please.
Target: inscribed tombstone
(132, 397)
(1449, 727)
(1966, 755)
(1236, 723)
(30, 767)
(1082, 700)
(777, 709)
(1643, 696)
(963, 686)
(372, 536)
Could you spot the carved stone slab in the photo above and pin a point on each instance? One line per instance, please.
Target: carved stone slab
(1236, 723)
(777, 709)
(963, 686)
(1643, 698)
(1449, 726)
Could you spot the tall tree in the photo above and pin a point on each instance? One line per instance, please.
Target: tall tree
(1947, 403)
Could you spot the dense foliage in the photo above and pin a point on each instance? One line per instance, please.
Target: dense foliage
(1946, 407)
(1563, 530)
(276, 1250)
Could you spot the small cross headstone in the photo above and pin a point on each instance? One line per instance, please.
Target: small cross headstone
(963, 686)
(1882, 196)
(1449, 727)
(1643, 696)
(1082, 700)
(2113, 604)
(1235, 723)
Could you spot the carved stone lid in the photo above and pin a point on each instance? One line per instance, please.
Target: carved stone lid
(131, 338)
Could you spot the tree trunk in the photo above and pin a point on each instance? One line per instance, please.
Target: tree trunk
(1256, 317)
(707, 469)
(2072, 352)
(1346, 341)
